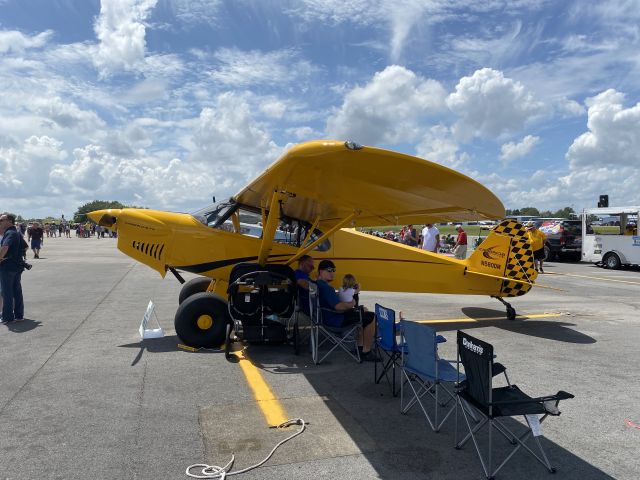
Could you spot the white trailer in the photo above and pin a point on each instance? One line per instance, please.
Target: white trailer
(610, 236)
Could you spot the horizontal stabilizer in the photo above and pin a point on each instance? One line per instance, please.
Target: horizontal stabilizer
(471, 272)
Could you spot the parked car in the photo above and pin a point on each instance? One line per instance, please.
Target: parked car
(564, 238)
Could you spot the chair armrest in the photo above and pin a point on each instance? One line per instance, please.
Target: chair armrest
(498, 368)
(561, 395)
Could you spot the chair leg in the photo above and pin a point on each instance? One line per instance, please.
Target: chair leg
(520, 443)
(475, 443)
(393, 375)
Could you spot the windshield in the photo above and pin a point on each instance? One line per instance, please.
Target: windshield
(290, 231)
(215, 214)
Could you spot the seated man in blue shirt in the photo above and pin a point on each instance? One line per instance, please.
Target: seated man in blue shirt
(344, 313)
(305, 267)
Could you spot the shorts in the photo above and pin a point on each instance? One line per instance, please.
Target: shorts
(353, 316)
(36, 243)
(538, 254)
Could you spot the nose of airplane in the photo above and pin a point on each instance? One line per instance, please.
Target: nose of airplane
(105, 218)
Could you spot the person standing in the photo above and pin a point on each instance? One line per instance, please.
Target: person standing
(11, 268)
(36, 235)
(430, 238)
(411, 236)
(536, 239)
(460, 248)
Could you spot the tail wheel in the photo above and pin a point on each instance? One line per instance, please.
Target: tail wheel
(201, 320)
(195, 285)
(612, 261)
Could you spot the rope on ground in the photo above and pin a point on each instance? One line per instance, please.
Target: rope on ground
(631, 424)
(220, 473)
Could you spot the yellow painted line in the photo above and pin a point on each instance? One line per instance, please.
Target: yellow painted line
(607, 279)
(474, 320)
(271, 407)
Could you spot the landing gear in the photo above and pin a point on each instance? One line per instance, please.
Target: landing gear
(511, 312)
(227, 341)
(201, 320)
(195, 285)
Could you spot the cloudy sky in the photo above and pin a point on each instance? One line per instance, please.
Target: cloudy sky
(164, 103)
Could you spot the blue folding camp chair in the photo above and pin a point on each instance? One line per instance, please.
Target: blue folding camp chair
(425, 373)
(345, 337)
(388, 350)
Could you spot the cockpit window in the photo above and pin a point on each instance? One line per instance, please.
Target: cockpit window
(215, 215)
(222, 215)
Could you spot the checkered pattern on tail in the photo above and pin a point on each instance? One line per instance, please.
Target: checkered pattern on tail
(520, 264)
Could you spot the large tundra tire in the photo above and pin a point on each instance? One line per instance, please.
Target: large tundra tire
(201, 320)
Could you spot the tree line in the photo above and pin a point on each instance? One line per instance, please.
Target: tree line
(565, 212)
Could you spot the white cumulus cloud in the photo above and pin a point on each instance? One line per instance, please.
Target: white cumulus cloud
(438, 146)
(121, 33)
(614, 133)
(490, 105)
(512, 151)
(388, 108)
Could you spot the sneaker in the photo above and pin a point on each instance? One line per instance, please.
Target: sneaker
(541, 270)
(19, 320)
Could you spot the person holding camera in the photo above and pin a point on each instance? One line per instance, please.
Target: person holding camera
(11, 268)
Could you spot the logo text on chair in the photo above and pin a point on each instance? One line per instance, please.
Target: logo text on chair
(472, 346)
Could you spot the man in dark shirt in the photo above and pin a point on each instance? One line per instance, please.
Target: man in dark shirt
(305, 267)
(411, 236)
(36, 234)
(11, 267)
(340, 314)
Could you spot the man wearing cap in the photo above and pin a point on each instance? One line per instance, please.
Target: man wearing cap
(536, 239)
(340, 314)
(460, 248)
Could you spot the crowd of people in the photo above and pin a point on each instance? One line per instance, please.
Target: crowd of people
(429, 239)
(13, 255)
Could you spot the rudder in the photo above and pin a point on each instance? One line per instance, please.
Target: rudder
(506, 252)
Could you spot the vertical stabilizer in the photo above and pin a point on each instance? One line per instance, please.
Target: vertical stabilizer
(506, 252)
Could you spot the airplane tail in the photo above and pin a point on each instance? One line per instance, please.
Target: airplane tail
(506, 254)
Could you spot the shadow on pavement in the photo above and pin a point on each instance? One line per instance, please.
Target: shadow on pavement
(23, 326)
(549, 329)
(402, 445)
(165, 344)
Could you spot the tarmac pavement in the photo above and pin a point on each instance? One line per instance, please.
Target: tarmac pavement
(81, 396)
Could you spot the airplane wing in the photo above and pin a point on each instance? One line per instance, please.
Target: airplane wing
(331, 180)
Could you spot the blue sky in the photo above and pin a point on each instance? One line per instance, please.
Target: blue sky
(164, 103)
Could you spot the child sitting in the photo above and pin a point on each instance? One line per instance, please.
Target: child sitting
(349, 290)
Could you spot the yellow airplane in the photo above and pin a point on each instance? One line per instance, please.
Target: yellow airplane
(308, 202)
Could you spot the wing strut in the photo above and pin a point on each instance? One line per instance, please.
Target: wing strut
(269, 228)
(322, 238)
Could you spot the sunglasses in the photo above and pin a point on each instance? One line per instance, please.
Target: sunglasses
(331, 270)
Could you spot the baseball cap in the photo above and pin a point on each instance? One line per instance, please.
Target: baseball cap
(325, 265)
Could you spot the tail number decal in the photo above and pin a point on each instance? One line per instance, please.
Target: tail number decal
(484, 263)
